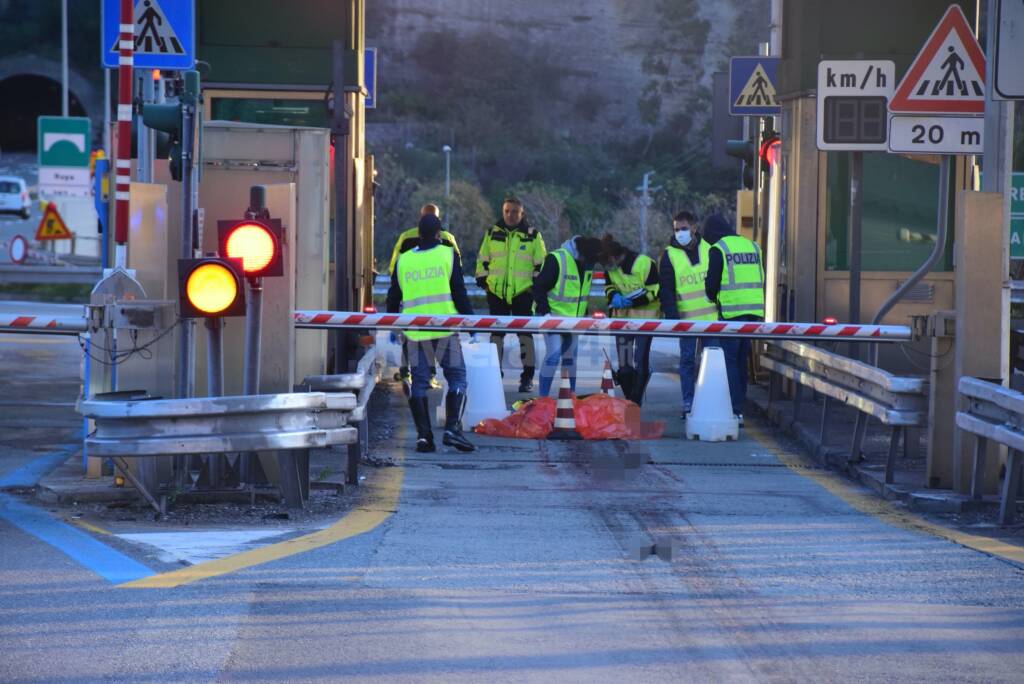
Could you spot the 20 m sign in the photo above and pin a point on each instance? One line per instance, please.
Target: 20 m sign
(936, 134)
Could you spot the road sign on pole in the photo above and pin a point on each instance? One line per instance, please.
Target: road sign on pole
(17, 249)
(370, 77)
(63, 150)
(165, 34)
(937, 134)
(1009, 55)
(52, 226)
(752, 89)
(853, 99)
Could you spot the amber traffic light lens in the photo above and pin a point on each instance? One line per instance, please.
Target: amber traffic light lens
(211, 288)
(253, 244)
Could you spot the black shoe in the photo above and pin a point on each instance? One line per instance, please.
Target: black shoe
(526, 386)
(421, 419)
(425, 446)
(454, 405)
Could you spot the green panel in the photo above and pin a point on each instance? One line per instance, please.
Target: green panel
(270, 42)
(63, 141)
(1017, 216)
(278, 112)
(899, 213)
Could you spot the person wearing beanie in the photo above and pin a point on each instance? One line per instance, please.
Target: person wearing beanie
(562, 288)
(428, 280)
(683, 269)
(407, 240)
(735, 283)
(632, 292)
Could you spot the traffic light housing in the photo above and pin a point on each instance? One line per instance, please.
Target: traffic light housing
(746, 151)
(168, 119)
(210, 287)
(256, 242)
(771, 147)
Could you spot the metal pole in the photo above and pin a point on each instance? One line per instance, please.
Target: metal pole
(253, 325)
(214, 388)
(123, 167)
(189, 93)
(644, 199)
(856, 201)
(447, 172)
(106, 114)
(340, 130)
(144, 165)
(64, 58)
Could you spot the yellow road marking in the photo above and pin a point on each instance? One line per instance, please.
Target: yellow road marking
(884, 510)
(380, 502)
(29, 338)
(95, 529)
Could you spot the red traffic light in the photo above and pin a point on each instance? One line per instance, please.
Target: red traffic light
(256, 242)
(770, 150)
(210, 287)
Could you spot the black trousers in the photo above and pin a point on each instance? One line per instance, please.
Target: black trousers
(522, 305)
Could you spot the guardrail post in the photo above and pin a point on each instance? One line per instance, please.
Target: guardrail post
(860, 426)
(1011, 487)
(890, 461)
(826, 405)
(978, 471)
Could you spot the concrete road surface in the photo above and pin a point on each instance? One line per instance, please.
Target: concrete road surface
(519, 564)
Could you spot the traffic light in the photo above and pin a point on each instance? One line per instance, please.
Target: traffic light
(168, 119)
(771, 148)
(256, 242)
(746, 151)
(210, 287)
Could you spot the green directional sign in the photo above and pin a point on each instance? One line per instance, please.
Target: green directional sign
(63, 141)
(1017, 216)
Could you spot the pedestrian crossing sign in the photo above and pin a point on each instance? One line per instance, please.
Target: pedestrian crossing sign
(948, 74)
(164, 34)
(52, 226)
(752, 89)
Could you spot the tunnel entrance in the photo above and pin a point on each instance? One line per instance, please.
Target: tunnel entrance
(25, 98)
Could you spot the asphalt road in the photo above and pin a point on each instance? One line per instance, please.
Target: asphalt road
(517, 563)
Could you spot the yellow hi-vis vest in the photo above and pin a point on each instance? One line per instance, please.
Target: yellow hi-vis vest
(625, 283)
(424, 277)
(691, 301)
(410, 239)
(511, 258)
(742, 292)
(569, 295)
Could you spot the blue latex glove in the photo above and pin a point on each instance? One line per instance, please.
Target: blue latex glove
(393, 336)
(619, 302)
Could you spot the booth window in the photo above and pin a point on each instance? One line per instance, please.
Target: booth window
(898, 224)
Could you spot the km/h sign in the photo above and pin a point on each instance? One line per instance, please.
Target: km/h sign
(853, 99)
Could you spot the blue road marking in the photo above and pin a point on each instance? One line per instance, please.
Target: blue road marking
(97, 557)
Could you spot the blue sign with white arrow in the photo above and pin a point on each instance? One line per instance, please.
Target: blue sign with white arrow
(165, 34)
(752, 86)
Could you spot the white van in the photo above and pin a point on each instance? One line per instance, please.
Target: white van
(14, 196)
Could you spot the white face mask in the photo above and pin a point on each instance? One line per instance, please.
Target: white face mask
(683, 236)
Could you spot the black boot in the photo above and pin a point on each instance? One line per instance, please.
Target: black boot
(627, 381)
(421, 418)
(454, 403)
(526, 379)
(639, 388)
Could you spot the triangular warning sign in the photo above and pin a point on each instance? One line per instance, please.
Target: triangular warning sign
(154, 35)
(51, 226)
(759, 91)
(948, 74)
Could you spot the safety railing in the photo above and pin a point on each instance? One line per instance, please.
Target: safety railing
(994, 414)
(899, 402)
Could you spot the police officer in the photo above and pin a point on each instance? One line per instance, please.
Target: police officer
(735, 283)
(562, 288)
(407, 240)
(683, 268)
(631, 289)
(428, 280)
(510, 255)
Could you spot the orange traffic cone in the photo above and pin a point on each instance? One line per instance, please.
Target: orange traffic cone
(565, 419)
(607, 383)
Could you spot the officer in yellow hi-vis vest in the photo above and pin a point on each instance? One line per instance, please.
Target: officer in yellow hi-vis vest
(684, 267)
(511, 254)
(410, 239)
(735, 283)
(428, 280)
(631, 287)
(562, 288)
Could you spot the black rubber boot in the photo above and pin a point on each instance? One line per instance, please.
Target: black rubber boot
(526, 379)
(639, 388)
(454, 403)
(627, 381)
(421, 418)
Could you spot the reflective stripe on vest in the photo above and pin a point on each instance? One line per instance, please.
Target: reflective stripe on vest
(626, 283)
(691, 301)
(425, 279)
(742, 291)
(569, 296)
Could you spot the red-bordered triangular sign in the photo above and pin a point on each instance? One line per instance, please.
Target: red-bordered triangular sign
(948, 74)
(52, 226)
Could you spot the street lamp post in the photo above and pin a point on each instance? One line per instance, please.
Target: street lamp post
(447, 149)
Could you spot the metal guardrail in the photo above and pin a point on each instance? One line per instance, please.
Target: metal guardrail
(993, 413)
(899, 402)
(32, 275)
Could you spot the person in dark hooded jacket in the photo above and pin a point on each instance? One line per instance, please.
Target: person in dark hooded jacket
(735, 283)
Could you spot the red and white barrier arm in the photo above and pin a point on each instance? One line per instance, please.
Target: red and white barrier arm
(51, 325)
(602, 326)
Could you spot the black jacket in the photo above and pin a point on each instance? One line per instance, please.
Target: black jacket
(713, 285)
(458, 287)
(667, 279)
(546, 280)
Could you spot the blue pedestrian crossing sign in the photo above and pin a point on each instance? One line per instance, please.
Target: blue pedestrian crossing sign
(752, 86)
(165, 34)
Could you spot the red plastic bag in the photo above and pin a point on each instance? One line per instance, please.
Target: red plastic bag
(532, 421)
(600, 416)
